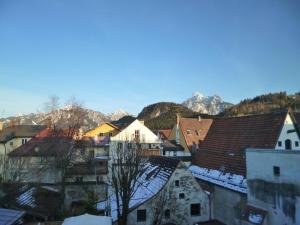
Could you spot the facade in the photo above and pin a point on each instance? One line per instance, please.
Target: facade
(189, 133)
(168, 194)
(105, 129)
(273, 179)
(220, 162)
(135, 133)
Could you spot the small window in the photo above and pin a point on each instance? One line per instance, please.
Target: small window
(195, 210)
(297, 143)
(181, 195)
(101, 134)
(164, 152)
(129, 145)
(177, 183)
(188, 131)
(91, 153)
(110, 134)
(79, 179)
(167, 214)
(141, 215)
(150, 146)
(276, 170)
(120, 146)
(98, 179)
(279, 143)
(137, 134)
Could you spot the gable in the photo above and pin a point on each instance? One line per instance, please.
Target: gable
(103, 128)
(146, 135)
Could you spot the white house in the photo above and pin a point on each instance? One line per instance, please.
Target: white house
(273, 179)
(167, 194)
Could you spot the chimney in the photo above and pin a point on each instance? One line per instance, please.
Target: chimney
(142, 122)
(199, 118)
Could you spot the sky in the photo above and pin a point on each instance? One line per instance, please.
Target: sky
(129, 54)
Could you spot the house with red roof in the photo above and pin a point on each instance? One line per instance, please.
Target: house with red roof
(220, 161)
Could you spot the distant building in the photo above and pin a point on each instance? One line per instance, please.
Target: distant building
(105, 129)
(164, 134)
(273, 178)
(189, 133)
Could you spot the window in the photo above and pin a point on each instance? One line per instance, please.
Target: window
(129, 145)
(99, 179)
(181, 195)
(195, 210)
(24, 141)
(188, 131)
(197, 132)
(79, 179)
(110, 134)
(141, 215)
(167, 214)
(120, 146)
(149, 146)
(11, 143)
(137, 134)
(297, 143)
(164, 152)
(101, 134)
(276, 170)
(91, 153)
(279, 143)
(177, 183)
(288, 144)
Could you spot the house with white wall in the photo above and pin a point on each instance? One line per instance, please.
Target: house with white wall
(167, 194)
(220, 162)
(273, 180)
(136, 132)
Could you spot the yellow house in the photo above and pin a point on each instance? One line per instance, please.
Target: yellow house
(105, 129)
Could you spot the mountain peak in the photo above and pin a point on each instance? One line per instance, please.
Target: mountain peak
(206, 104)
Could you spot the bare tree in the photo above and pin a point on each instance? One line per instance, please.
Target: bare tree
(128, 164)
(52, 104)
(14, 168)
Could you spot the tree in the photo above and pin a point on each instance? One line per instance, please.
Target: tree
(67, 134)
(128, 164)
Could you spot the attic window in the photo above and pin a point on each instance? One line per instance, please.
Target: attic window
(101, 134)
(279, 143)
(188, 132)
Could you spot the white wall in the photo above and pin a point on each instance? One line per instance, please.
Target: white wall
(278, 194)
(284, 135)
(180, 212)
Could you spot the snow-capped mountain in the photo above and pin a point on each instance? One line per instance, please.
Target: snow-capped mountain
(118, 114)
(61, 117)
(206, 104)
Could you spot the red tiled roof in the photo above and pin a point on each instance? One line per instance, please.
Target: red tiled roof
(164, 134)
(194, 130)
(227, 139)
(46, 146)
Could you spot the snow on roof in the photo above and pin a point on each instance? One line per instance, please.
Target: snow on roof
(88, 219)
(227, 180)
(156, 174)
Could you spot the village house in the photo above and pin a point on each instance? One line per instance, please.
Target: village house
(273, 180)
(41, 161)
(167, 193)
(220, 163)
(105, 129)
(136, 133)
(13, 137)
(188, 133)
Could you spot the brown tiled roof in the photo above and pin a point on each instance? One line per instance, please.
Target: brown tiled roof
(19, 131)
(164, 134)
(194, 130)
(226, 141)
(46, 146)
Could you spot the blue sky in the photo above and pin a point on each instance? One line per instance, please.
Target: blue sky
(128, 54)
